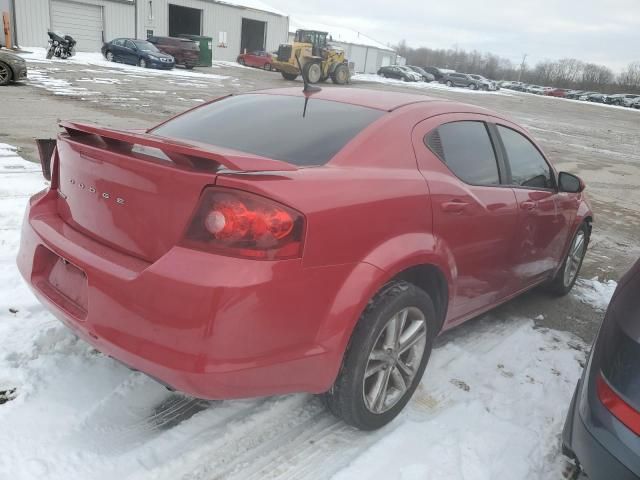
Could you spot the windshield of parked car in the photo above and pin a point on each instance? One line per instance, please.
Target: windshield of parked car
(145, 46)
(239, 123)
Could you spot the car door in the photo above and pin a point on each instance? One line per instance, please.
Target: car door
(116, 49)
(544, 214)
(474, 214)
(130, 53)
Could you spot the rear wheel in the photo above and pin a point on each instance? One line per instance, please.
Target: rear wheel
(142, 63)
(472, 86)
(566, 277)
(312, 72)
(340, 75)
(241, 61)
(289, 76)
(5, 74)
(386, 357)
(189, 67)
(449, 83)
(267, 66)
(109, 56)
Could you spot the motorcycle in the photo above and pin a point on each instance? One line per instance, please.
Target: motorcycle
(60, 46)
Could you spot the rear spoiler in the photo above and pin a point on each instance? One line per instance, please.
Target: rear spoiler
(181, 152)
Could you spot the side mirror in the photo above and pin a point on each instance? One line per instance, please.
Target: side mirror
(570, 183)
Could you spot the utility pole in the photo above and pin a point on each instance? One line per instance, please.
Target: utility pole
(524, 57)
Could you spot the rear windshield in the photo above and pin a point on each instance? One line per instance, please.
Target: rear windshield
(273, 126)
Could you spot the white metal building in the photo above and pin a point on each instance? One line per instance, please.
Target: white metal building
(366, 54)
(234, 25)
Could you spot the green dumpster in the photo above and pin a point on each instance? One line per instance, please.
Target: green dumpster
(206, 49)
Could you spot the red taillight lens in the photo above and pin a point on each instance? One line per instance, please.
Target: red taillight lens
(620, 409)
(237, 223)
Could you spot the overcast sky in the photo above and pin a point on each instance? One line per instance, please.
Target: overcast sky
(600, 31)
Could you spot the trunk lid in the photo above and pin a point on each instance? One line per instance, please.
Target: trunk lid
(136, 192)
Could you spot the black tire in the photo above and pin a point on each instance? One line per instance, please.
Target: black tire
(109, 56)
(449, 83)
(189, 67)
(472, 86)
(241, 61)
(6, 74)
(340, 74)
(142, 63)
(312, 71)
(346, 399)
(289, 76)
(267, 67)
(561, 285)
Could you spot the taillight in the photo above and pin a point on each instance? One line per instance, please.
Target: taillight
(237, 223)
(620, 409)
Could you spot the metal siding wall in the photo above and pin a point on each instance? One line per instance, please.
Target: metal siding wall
(215, 18)
(32, 18)
(372, 61)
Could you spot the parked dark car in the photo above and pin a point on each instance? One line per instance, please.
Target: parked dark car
(137, 52)
(456, 79)
(258, 59)
(12, 68)
(426, 76)
(635, 103)
(184, 51)
(400, 72)
(438, 73)
(602, 430)
(597, 98)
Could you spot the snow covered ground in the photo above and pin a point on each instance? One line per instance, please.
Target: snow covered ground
(491, 404)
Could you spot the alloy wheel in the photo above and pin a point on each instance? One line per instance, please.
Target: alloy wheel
(110, 56)
(5, 74)
(394, 360)
(143, 63)
(574, 258)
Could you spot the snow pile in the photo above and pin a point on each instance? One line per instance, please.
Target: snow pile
(38, 55)
(594, 293)
(491, 404)
(373, 78)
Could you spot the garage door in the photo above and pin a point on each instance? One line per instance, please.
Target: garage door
(83, 22)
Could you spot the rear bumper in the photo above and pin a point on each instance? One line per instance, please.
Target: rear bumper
(578, 441)
(211, 326)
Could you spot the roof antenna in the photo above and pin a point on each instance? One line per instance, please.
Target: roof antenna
(308, 89)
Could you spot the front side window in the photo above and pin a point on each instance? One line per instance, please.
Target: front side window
(528, 166)
(465, 147)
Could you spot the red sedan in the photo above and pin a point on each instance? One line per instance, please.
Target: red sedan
(556, 92)
(323, 253)
(257, 59)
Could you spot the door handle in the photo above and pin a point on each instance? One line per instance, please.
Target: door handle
(454, 207)
(529, 205)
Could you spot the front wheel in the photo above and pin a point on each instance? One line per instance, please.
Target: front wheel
(472, 86)
(109, 56)
(267, 66)
(449, 83)
(142, 63)
(289, 76)
(340, 75)
(5, 74)
(312, 72)
(386, 357)
(566, 277)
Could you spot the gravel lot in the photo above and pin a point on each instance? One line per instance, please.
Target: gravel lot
(600, 143)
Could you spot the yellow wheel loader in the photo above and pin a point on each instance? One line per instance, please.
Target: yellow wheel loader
(318, 59)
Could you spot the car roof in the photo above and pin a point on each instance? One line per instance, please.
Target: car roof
(379, 99)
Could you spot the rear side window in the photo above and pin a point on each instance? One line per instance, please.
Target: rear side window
(465, 147)
(528, 166)
(273, 126)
